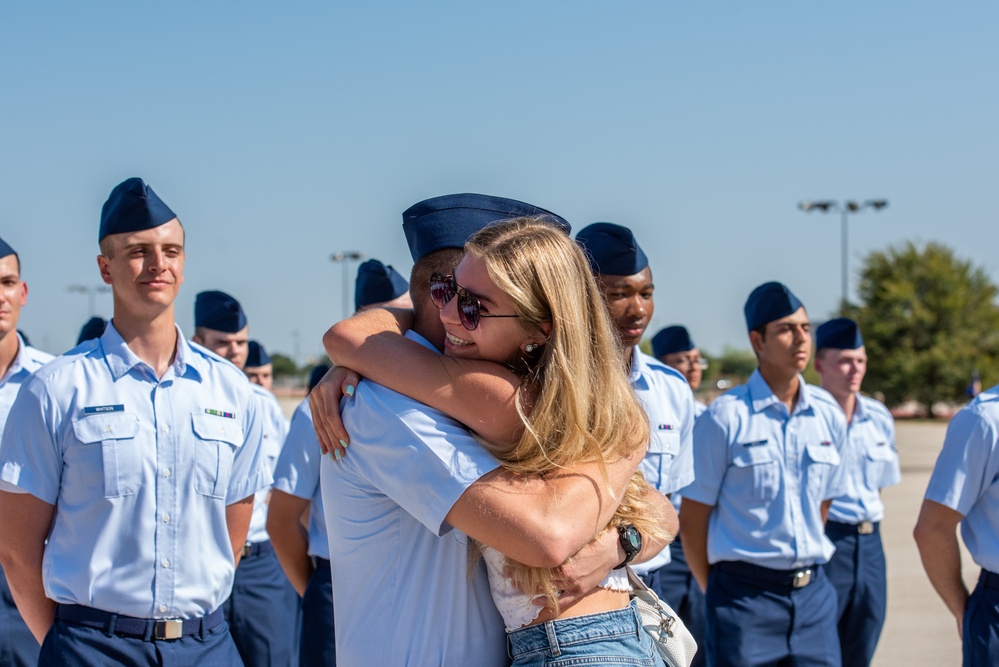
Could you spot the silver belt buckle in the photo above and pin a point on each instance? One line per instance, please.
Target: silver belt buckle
(865, 527)
(171, 628)
(802, 578)
(247, 549)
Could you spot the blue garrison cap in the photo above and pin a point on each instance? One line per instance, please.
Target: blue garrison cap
(5, 249)
(219, 311)
(317, 374)
(448, 221)
(611, 249)
(256, 355)
(841, 333)
(769, 302)
(377, 283)
(671, 339)
(94, 328)
(133, 207)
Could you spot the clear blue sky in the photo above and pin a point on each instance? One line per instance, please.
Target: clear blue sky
(282, 132)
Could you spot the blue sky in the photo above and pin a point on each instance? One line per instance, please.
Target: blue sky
(281, 133)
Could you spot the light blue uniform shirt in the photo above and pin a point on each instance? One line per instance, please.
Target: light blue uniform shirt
(669, 404)
(140, 471)
(275, 428)
(400, 574)
(870, 460)
(966, 476)
(676, 498)
(27, 361)
(297, 474)
(766, 473)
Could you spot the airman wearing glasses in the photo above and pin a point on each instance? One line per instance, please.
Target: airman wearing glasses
(625, 278)
(674, 347)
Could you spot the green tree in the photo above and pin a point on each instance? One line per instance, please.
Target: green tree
(284, 366)
(928, 319)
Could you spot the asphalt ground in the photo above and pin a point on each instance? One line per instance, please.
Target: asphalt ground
(919, 630)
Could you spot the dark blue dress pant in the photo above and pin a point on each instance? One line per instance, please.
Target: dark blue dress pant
(675, 584)
(756, 617)
(316, 648)
(264, 611)
(981, 623)
(81, 646)
(857, 572)
(18, 647)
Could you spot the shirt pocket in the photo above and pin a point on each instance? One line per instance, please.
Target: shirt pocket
(880, 454)
(216, 440)
(121, 460)
(755, 472)
(821, 460)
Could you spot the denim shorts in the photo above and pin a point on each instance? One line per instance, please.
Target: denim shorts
(607, 638)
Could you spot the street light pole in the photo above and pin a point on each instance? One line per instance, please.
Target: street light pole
(344, 257)
(845, 208)
(91, 293)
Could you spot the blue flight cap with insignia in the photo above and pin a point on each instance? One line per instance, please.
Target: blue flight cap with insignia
(317, 374)
(256, 355)
(841, 333)
(132, 207)
(768, 302)
(611, 249)
(671, 339)
(377, 283)
(5, 249)
(448, 221)
(94, 328)
(219, 311)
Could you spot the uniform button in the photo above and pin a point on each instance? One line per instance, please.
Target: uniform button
(166, 473)
(166, 428)
(163, 608)
(166, 563)
(166, 518)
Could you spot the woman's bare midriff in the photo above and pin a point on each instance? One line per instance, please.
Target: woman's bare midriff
(594, 602)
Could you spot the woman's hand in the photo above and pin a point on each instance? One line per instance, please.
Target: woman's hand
(324, 402)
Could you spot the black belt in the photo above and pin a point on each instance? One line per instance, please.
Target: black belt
(990, 579)
(862, 528)
(257, 548)
(785, 579)
(320, 563)
(145, 628)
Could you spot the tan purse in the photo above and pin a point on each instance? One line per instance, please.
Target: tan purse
(672, 638)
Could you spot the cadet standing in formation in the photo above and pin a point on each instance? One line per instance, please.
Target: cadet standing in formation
(134, 568)
(263, 610)
(624, 276)
(964, 489)
(766, 461)
(17, 361)
(674, 347)
(870, 461)
(259, 369)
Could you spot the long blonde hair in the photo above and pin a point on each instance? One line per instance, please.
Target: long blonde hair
(577, 405)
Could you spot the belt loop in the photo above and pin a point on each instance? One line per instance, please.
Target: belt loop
(201, 627)
(150, 631)
(638, 621)
(552, 639)
(110, 624)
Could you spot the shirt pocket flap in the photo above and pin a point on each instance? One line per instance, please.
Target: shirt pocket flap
(664, 442)
(222, 429)
(881, 451)
(821, 453)
(751, 455)
(106, 426)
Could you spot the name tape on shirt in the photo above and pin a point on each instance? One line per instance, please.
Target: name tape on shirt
(220, 413)
(98, 409)
(755, 443)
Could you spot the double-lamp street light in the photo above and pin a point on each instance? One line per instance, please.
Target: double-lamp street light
(845, 208)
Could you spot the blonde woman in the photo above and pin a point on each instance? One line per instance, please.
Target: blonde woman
(522, 303)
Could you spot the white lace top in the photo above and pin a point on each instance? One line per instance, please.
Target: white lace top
(516, 607)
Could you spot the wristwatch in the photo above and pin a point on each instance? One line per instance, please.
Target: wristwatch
(631, 542)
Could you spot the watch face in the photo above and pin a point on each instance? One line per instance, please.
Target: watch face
(634, 537)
